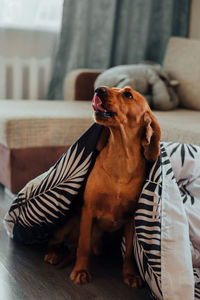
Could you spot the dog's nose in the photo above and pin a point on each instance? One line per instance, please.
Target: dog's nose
(101, 92)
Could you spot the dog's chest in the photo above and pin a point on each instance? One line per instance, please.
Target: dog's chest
(112, 212)
(112, 201)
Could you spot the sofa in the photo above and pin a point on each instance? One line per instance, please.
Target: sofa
(34, 134)
(182, 62)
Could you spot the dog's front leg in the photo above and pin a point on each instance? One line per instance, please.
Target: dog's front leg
(131, 277)
(80, 273)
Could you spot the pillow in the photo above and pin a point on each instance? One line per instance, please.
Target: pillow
(151, 80)
(182, 61)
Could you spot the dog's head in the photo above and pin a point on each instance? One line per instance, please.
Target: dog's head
(125, 107)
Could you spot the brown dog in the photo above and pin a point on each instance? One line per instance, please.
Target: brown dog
(63, 244)
(116, 180)
(131, 138)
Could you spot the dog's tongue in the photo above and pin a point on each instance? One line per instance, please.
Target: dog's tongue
(96, 103)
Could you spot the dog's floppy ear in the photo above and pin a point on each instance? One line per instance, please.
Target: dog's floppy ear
(151, 138)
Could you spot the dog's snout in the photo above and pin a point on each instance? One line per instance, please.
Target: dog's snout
(101, 91)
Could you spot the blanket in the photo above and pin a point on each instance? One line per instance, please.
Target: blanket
(167, 218)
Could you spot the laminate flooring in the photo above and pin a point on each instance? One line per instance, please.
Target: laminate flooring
(24, 275)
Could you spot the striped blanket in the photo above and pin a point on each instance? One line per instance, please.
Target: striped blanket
(167, 218)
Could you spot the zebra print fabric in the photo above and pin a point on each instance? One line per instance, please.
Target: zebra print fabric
(148, 231)
(147, 237)
(197, 283)
(46, 201)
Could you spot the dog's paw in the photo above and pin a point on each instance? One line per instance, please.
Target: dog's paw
(80, 276)
(133, 280)
(52, 258)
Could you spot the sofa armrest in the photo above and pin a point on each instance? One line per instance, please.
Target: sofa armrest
(79, 84)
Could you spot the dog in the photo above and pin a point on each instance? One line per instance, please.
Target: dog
(130, 139)
(63, 244)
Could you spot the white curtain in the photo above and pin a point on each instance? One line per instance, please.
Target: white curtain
(40, 14)
(29, 33)
(29, 28)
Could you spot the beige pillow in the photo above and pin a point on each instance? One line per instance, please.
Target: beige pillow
(182, 61)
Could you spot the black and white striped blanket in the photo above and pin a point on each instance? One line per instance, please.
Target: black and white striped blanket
(167, 218)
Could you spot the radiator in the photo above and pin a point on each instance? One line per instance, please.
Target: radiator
(22, 78)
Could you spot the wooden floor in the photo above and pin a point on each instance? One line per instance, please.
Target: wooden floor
(24, 275)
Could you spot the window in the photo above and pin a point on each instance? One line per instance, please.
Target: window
(38, 14)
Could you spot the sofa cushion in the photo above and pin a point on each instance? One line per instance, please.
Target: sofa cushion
(25, 124)
(182, 62)
(180, 125)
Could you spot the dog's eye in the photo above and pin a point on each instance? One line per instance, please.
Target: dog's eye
(128, 95)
